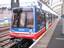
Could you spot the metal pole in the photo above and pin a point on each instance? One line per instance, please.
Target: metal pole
(14, 3)
(51, 2)
(62, 14)
(62, 9)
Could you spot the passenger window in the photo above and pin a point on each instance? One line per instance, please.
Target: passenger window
(22, 20)
(30, 20)
(14, 19)
(50, 18)
(41, 21)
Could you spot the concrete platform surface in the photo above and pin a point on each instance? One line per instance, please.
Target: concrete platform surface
(43, 42)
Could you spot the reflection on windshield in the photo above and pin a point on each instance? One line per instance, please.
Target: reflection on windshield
(23, 20)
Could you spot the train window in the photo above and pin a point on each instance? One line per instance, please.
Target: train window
(41, 21)
(50, 18)
(14, 24)
(26, 19)
(29, 20)
(23, 19)
(47, 16)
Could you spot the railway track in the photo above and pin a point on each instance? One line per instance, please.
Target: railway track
(5, 39)
(8, 42)
(24, 43)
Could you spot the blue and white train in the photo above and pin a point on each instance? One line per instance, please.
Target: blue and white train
(31, 22)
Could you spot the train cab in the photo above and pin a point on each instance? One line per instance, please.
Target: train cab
(28, 23)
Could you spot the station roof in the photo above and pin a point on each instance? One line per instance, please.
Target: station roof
(46, 8)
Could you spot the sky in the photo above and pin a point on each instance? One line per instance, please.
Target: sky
(8, 2)
(5, 3)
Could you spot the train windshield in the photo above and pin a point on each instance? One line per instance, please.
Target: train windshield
(23, 19)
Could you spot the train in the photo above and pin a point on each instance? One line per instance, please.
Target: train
(30, 22)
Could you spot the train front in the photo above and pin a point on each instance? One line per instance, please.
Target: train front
(22, 25)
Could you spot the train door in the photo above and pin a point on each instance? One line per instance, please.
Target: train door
(47, 20)
(23, 21)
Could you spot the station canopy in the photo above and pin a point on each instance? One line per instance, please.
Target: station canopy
(46, 8)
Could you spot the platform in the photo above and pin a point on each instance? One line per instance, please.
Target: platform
(57, 40)
(43, 41)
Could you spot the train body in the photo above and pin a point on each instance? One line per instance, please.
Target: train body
(31, 22)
